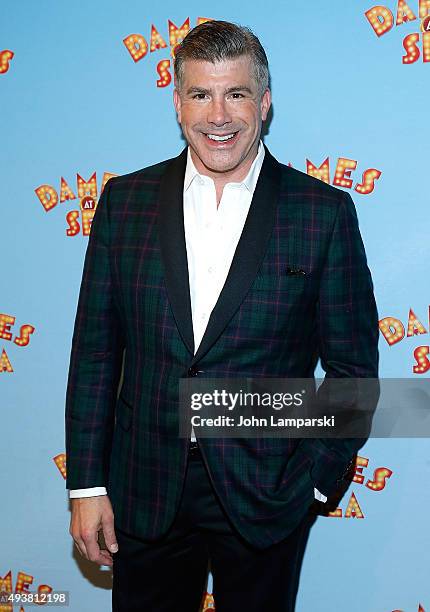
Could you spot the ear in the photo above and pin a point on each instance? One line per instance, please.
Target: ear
(177, 103)
(266, 101)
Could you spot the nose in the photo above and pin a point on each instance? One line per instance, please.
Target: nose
(218, 112)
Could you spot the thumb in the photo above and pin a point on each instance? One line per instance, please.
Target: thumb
(109, 535)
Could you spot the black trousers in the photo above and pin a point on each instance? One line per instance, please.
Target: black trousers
(170, 575)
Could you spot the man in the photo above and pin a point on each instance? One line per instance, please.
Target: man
(221, 262)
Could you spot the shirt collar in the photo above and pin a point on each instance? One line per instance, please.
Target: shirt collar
(250, 180)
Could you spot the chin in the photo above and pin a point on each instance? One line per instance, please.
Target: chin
(220, 166)
(221, 161)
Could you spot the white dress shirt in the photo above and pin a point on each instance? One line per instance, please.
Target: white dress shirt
(211, 235)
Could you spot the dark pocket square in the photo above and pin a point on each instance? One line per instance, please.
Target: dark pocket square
(294, 271)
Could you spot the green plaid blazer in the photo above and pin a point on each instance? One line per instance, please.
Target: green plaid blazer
(134, 314)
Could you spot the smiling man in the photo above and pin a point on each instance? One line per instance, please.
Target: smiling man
(220, 262)
(220, 107)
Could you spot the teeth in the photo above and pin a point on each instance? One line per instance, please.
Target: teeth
(214, 137)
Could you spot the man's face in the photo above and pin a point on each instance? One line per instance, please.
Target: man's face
(220, 109)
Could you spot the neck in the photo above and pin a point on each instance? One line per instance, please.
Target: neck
(222, 178)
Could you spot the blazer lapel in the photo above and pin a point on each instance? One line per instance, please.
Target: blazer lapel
(173, 247)
(246, 261)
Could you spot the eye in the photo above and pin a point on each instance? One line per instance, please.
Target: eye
(199, 96)
(236, 95)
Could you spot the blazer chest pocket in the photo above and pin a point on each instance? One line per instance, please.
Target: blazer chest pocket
(280, 282)
(124, 413)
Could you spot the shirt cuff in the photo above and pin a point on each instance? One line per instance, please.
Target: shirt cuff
(89, 492)
(319, 496)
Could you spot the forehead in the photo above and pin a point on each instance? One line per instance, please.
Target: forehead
(235, 71)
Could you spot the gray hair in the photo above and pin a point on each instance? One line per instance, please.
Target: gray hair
(216, 41)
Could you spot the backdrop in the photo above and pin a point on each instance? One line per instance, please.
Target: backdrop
(86, 92)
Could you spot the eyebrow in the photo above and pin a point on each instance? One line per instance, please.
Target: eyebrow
(202, 90)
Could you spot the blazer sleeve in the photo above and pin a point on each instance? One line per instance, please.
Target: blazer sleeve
(348, 334)
(95, 362)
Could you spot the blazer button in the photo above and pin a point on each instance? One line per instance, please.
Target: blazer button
(193, 371)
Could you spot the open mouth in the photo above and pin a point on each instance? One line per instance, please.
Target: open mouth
(221, 139)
